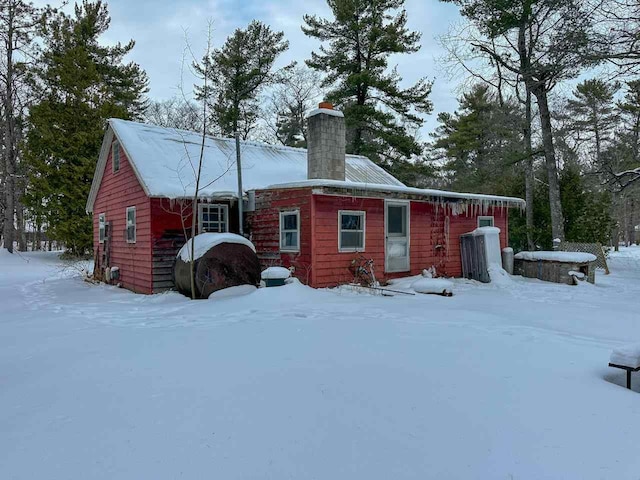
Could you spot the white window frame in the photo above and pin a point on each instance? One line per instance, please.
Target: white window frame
(102, 223)
(487, 217)
(127, 225)
(284, 248)
(364, 230)
(222, 206)
(113, 156)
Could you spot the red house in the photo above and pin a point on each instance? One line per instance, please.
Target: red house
(312, 209)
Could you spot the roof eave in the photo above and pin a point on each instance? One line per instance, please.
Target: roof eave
(394, 190)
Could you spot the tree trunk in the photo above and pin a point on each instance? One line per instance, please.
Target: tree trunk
(632, 221)
(557, 219)
(20, 223)
(9, 145)
(528, 172)
(37, 237)
(615, 232)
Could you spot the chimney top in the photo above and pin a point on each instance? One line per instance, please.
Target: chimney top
(326, 108)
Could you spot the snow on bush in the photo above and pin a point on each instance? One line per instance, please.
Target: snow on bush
(206, 241)
(429, 272)
(432, 285)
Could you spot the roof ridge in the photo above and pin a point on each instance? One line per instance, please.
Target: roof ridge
(254, 143)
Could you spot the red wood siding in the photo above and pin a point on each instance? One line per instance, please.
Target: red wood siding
(264, 228)
(117, 192)
(465, 223)
(434, 238)
(331, 267)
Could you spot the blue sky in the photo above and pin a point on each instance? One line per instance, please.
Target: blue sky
(158, 28)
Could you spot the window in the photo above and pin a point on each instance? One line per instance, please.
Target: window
(213, 218)
(101, 227)
(351, 231)
(485, 221)
(131, 224)
(290, 231)
(115, 156)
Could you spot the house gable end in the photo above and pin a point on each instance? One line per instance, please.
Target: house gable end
(98, 175)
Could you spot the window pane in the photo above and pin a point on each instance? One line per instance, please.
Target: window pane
(485, 222)
(291, 239)
(116, 156)
(352, 239)
(289, 221)
(351, 221)
(396, 219)
(397, 249)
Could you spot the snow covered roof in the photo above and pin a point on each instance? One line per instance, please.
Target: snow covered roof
(162, 159)
(402, 189)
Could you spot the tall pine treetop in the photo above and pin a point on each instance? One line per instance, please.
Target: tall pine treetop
(74, 63)
(82, 83)
(381, 116)
(237, 73)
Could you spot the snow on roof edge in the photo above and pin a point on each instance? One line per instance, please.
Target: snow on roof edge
(398, 189)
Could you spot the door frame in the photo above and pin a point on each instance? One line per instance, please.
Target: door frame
(406, 203)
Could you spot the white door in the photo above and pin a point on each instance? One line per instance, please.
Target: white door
(396, 236)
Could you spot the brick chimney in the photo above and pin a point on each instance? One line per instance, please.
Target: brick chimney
(325, 143)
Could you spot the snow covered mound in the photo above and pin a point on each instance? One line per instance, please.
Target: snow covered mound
(206, 241)
(569, 257)
(499, 276)
(432, 285)
(275, 273)
(627, 355)
(232, 292)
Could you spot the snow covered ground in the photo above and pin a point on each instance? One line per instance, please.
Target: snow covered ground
(501, 381)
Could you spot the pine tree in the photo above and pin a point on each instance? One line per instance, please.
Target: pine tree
(629, 110)
(592, 111)
(82, 83)
(479, 143)
(587, 212)
(238, 72)
(381, 117)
